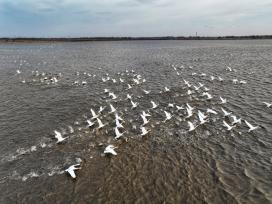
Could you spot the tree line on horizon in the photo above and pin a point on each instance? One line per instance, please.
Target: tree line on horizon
(77, 39)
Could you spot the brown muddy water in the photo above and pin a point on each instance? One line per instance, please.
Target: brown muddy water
(46, 87)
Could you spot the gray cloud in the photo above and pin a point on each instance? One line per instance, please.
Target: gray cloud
(134, 17)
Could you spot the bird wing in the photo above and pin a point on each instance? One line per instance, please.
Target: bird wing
(117, 133)
(191, 126)
(72, 173)
(226, 124)
(248, 124)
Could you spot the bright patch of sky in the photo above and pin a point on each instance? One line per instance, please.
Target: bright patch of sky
(75, 18)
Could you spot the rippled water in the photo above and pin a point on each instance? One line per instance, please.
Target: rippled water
(170, 164)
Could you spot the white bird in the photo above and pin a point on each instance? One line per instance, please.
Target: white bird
(235, 81)
(136, 81)
(117, 133)
(220, 78)
(84, 83)
(189, 92)
(117, 117)
(144, 131)
(202, 115)
(113, 96)
(145, 121)
(167, 115)
(243, 82)
(268, 105)
(114, 80)
(166, 89)
(200, 84)
(128, 96)
(229, 68)
(146, 92)
(209, 96)
(189, 107)
(251, 127)
(118, 124)
(106, 90)
(191, 126)
(235, 120)
(187, 83)
(189, 112)
(90, 123)
(179, 107)
(129, 86)
(100, 124)
(110, 150)
(154, 105)
(196, 88)
(71, 170)
(226, 113)
(227, 125)
(101, 109)
(171, 105)
(71, 129)
(112, 109)
(18, 71)
(94, 114)
(212, 78)
(223, 100)
(121, 80)
(134, 105)
(59, 137)
(146, 114)
(211, 111)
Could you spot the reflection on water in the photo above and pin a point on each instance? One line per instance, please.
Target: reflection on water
(47, 87)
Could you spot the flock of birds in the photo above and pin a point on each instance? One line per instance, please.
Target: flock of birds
(195, 117)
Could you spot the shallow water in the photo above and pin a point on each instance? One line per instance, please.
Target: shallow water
(170, 164)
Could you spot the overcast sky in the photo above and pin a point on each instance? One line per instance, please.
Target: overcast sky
(74, 18)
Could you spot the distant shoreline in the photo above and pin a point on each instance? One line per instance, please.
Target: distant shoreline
(84, 39)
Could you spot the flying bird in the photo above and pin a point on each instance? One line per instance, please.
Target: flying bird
(154, 105)
(235, 120)
(94, 114)
(223, 100)
(145, 121)
(117, 117)
(90, 123)
(167, 115)
(211, 111)
(113, 96)
(146, 114)
(268, 105)
(110, 150)
(189, 112)
(117, 133)
(191, 126)
(144, 131)
(59, 137)
(112, 109)
(100, 124)
(71, 170)
(227, 125)
(134, 105)
(226, 113)
(251, 127)
(166, 89)
(146, 92)
(202, 117)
